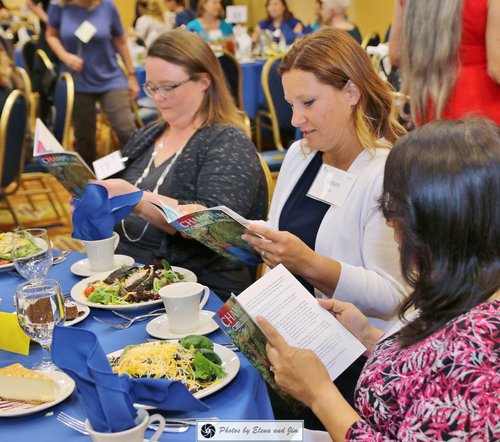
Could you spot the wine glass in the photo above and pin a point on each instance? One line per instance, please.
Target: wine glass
(32, 253)
(39, 307)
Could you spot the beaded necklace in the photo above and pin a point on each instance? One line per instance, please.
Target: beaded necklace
(145, 173)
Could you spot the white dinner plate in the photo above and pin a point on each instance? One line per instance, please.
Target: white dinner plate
(82, 267)
(158, 327)
(6, 267)
(83, 312)
(64, 387)
(78, 289)
(230, 363)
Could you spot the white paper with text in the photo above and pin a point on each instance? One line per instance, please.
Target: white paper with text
(280, 298)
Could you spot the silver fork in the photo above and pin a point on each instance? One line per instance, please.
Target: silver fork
(171, 425)
(71, 422)
(121, 315)
(128, 322)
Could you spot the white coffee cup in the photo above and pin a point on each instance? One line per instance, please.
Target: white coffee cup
(100, 253)
(183, 302)
(134, 434)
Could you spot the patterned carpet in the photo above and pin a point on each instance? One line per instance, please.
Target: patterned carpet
(37, 211)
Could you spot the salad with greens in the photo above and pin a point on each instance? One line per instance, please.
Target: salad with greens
(132, 284)
(191, 360)
(25, 246)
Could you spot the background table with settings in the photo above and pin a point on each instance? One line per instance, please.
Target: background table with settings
(244, 398)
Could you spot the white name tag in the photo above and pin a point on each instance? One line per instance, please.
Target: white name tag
(331, 185)
(108, 165)
(85, 31)
(236, 14)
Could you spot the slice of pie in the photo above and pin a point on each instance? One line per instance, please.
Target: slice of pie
(21, 384)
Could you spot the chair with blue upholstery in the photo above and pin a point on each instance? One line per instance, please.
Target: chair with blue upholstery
(64, 97)
(13, 125)
(277, 117)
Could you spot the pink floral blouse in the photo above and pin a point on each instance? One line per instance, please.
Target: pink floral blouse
(446, 387)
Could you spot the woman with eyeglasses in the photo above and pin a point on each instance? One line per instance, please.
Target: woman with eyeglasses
(197, 153)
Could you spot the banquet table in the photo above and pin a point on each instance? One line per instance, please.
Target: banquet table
(245, 398)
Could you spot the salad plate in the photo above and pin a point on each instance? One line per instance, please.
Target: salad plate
(82, 267)
(64, 385)
(230, 363)
(78, 291)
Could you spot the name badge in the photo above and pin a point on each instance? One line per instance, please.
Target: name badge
(331, 185)
(108, 165)
(85, 31)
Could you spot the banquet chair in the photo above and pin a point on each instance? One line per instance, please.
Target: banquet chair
(31, 96)
(277, 117)
(270, 183)
(371, 39)
(13, 124)
(64, 97)
(234, 77)
(28, 53)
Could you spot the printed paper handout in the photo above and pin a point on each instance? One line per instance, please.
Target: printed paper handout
(280, 298)
(219, 228)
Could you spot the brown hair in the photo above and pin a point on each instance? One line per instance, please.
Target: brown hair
(190, 51)
(287, 14)
(200, 9)
(334, 57)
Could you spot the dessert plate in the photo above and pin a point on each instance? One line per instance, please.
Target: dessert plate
(82, 267)
(158, 327)
(64, 385)
(83, 312)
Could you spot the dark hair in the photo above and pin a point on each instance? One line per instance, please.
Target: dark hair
(442, 193)
(287, 14)
(334, 58)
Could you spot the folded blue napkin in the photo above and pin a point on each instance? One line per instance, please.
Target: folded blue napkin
(106, 397)
(95, 215)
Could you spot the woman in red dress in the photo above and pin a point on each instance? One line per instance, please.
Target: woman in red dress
(449, 52)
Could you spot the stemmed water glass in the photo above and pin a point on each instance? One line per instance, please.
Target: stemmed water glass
(32, 253)
(39, 307)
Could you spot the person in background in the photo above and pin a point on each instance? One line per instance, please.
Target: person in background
(197, 154)
(449, 56)
(317, 13)
(39, 8)
(183, 15)
(435, 376)
(152, 23)
(97, 75)
(333, 13)
(141, 6)
(334, 239)
(210, 23)
(280, 17)
(5, 13)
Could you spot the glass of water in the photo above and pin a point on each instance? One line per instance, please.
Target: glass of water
(39, 307)
(32, 253)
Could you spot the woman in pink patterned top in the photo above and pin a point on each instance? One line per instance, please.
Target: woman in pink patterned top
(437, 376)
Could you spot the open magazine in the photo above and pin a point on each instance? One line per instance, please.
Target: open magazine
(280, 298)
(219, 228)
(68, 167)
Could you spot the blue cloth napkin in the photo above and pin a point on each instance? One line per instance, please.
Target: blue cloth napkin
(108, 398)
(95, 215)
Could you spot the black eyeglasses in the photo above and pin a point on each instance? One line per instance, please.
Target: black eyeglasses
(163, 91)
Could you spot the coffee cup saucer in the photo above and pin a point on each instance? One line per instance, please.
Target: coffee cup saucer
(158, 327)
(82, 267)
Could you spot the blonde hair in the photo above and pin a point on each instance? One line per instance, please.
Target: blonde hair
(155, 10)
(339, 5)
(334, 58)
(430, 59)
(190, 51)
